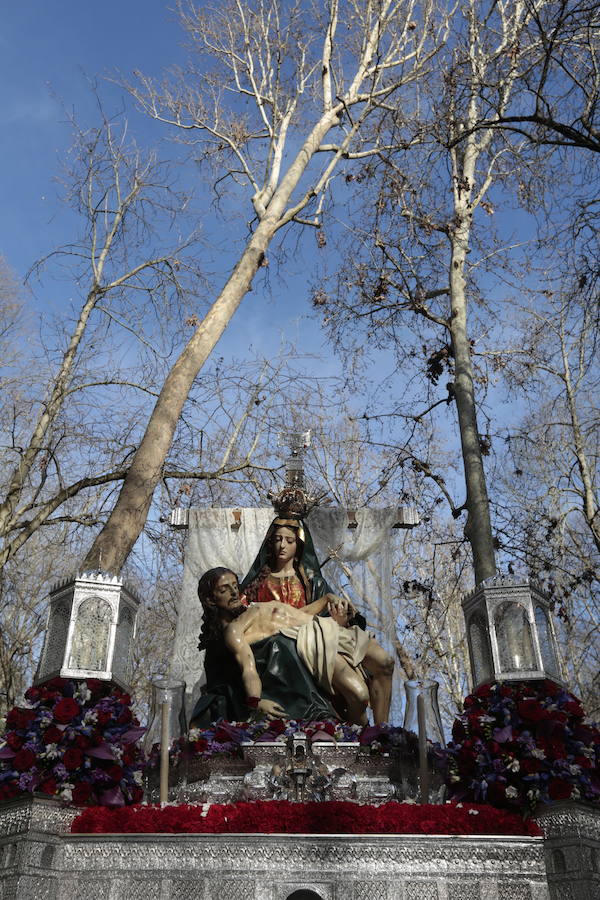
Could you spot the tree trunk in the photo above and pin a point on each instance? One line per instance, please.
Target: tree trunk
(126, 521)
(478, 529)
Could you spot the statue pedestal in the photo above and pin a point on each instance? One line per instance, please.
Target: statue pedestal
(572, 847)
(41, 860)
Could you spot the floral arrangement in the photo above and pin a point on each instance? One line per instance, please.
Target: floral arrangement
(284, 817)
(76, 740)
(225, 739)
(520, 744)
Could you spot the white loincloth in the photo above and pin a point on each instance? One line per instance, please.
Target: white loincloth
(320, 640)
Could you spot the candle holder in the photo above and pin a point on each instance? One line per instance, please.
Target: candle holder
(167, 724)
(510, 631)
(90, 630)
(422, 716)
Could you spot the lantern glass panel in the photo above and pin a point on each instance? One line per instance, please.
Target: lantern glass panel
(56, 638)
(91, 635)
(546, 640)
(513, 634)
(123, 638)
(481, 655)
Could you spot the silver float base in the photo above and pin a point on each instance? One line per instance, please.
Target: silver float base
(40, 860)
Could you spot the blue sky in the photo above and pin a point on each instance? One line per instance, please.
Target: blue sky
(49, 49)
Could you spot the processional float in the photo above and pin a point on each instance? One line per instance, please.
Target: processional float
(84, 670)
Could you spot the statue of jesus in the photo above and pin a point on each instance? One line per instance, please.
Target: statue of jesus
(333, 654)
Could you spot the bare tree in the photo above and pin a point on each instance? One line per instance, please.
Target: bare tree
(312, 77)
(430, 238)
(560, 98)
(554, 452)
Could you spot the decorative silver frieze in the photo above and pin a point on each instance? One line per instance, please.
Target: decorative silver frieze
(35, 814)
(90, 628)
(271, 867)
(510, 631)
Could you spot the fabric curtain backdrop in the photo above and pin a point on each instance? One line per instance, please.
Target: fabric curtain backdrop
(360, 566)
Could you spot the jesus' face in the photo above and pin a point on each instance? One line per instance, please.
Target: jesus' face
(226, 592)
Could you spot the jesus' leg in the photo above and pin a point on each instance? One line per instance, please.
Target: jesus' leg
(381, 668)
(351, 685)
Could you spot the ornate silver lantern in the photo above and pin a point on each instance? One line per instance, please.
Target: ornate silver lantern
(91, 624)
(510, 631)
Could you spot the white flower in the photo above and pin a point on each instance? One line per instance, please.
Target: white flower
(511, 791)
(67, 792)
(538, 753)
(533, 794)
(82, 693)
(474, 812)
(138, 777)
(117, 751)
(574, 769)
(409, 800)
(51, 752)
(205, 809)
(514, 765)
(90, 716)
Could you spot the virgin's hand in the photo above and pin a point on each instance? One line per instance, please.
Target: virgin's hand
(269, 709)
(339, 610)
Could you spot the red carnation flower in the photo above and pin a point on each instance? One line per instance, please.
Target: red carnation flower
(52, 735)
(83, 741)
(32, 694)
(8, 791)
(200, 745)
(136, 794)
(128, 755)
(277, 726)
(532, 710)
(585, 733)
(554, 749)
(458, 731)
(574, 708)
(48, 786)
(24, 760)
(82, 793)
(95, 686)
(66, 710)
(20, 718)
(559, 789)
(103, 716)
(115, 772)
(530, 766)
(73, 758)
(14, 740)
(484, 690)
(125, 717)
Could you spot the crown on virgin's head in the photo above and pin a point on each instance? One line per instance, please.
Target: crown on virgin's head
(292, 501)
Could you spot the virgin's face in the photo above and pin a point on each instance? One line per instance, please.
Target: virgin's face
(284, 544)
(226, 592)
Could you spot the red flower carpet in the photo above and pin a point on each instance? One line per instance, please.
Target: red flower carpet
(284, 817)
